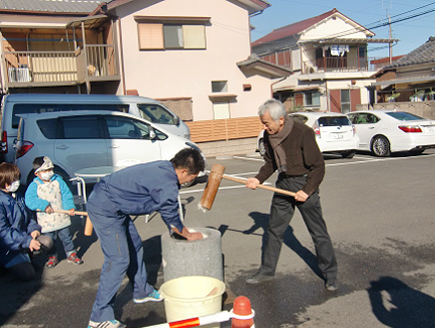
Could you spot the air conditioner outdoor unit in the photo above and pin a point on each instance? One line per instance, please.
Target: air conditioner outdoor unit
(19, 74)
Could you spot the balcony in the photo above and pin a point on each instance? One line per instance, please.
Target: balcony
(336, 64)
(60, 68)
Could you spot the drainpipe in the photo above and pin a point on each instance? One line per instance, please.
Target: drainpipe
(3, 83)
(276, 82)
(88, 83)
(124, 89)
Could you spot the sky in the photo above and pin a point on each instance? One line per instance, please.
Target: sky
(412, 32)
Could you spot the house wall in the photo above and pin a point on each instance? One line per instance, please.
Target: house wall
(189, 73)
(332, 27)
(359, 93)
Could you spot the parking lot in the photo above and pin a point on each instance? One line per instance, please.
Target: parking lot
(379, 213)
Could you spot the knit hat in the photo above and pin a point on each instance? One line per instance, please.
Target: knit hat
(46, 164)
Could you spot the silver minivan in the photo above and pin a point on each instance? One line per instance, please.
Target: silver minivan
(146, 108)
(75, 140)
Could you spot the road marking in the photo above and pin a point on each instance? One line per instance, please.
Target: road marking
(378, 160)
(366, 160)
(202, 190)
(249, 158)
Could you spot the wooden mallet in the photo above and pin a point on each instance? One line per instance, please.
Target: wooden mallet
(214, 180)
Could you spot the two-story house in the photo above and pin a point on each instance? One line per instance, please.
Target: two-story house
(192, 55)
(55, 46)
(410, 78)
(328, 55)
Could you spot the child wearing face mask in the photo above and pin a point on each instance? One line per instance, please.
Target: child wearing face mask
(47, 193)
(20, 235)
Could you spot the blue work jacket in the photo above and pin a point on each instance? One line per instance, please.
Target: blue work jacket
(144, 189)
(16, 224)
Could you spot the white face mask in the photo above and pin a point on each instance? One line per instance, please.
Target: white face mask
(46, 175)
(14, 186)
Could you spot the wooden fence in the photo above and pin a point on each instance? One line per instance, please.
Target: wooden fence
(225, 129)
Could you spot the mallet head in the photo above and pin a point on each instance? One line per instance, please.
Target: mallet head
(212, 186)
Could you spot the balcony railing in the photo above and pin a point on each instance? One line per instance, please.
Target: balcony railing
(336, 64)
(97, 62)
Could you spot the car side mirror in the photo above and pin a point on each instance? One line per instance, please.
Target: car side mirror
(176, 120)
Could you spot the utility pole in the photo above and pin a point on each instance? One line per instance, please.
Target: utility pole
(390, 44)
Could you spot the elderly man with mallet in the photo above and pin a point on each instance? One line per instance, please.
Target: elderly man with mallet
(291, 149)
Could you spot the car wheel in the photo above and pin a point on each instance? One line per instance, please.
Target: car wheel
(261, 148)
(381, 146)
(348, 154)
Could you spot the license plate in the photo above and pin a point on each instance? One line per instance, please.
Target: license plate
(338, 136)
(430, 129)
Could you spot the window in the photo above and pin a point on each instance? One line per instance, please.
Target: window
(125, 128)
(48, 108)
(48, 127)
(365, 118)
(334, 121)
(312, 99)
(160, 36)
(80, 127)
(345, 101)
(219, 86)
(156, 114)
(221, 110)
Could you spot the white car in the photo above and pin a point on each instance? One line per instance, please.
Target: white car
(385, 131)
(334, 132)
(75, 140)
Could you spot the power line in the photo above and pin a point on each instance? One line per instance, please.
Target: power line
(351, 31)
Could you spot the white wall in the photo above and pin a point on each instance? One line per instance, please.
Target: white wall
(188, 73)
(333, 28)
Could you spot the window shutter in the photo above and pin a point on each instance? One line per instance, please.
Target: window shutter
(194, 36)
(150, 36)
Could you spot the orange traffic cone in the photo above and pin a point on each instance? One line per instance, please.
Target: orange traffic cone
(242, 313)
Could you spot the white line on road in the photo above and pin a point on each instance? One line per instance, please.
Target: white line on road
(366, 160)
(379, 160)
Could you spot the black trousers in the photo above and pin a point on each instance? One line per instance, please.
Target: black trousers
(281, 213)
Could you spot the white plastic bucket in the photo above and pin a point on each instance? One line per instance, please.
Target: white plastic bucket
(191, 297)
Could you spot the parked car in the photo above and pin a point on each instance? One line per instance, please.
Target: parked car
(146, 108)
(79, 139)
(334, 132)
(385, 131)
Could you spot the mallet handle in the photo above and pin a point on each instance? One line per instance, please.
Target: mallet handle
(269, 188)
(88, 226)
(76, 212)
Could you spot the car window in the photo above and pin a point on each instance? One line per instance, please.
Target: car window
(48, 108)
(48, 127)
(352, 117)
(366, 118)
(155, 114)
(127, 128)
(405, 116)
(333, 121)
(79, 127)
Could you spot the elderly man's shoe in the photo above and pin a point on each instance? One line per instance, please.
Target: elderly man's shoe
(331, 285)
(257, 278)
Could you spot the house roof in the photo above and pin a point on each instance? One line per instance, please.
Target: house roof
(422, 55)
(258, 5)
(262, 67)
(298, 27)
(50, 6)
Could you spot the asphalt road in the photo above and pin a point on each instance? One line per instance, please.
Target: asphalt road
(380, 215)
